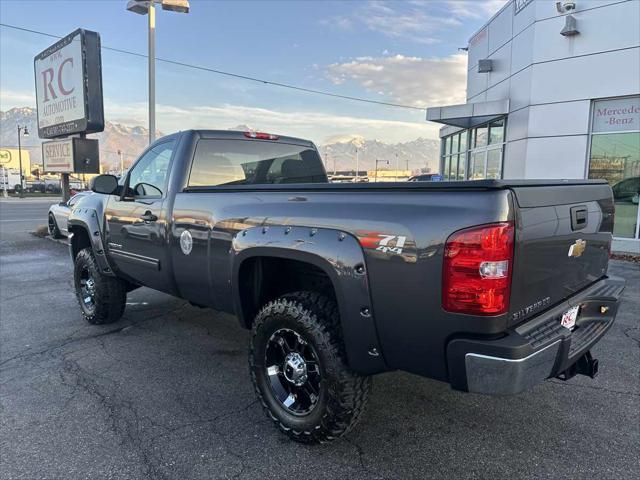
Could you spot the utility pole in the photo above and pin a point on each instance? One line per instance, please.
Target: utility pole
(25, 131)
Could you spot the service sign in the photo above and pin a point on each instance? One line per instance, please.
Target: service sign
(57, 156)
(68, 79)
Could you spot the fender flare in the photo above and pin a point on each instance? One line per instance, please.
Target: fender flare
(340, 256)
(87, 219)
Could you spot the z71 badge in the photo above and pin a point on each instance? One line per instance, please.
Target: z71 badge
(382, 242)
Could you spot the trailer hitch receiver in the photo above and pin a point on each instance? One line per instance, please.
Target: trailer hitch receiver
(586, 365)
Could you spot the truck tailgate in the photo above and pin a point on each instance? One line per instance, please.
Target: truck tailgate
(563, 238)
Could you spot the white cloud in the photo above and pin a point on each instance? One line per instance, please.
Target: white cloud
(415, 81)
(10, 99)
(314, 125)
(420, 21)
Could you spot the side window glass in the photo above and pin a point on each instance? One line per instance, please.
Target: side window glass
(148, 177)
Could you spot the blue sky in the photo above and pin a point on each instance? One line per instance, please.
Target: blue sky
(396, 51)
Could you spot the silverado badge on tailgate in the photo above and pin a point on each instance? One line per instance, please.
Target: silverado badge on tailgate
(577, 248)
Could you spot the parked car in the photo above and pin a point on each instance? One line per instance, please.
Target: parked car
(492, 286)
(59, 214)
(425, 177)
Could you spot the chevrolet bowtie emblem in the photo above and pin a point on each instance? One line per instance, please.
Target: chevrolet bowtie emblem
(577, 248)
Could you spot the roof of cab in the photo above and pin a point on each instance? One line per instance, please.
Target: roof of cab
(240, 135)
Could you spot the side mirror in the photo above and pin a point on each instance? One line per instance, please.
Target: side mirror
(107, 184)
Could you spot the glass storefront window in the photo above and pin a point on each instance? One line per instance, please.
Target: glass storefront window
(476, 165)
(460, 150)
(616, 158)
(481, 137)
(456, 142)
(496, 132)
(462, 160)
(463, 141)
(494, 161)
(445, 171)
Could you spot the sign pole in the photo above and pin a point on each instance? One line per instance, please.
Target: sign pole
(152, 72)
(5, 181)
(20, 161)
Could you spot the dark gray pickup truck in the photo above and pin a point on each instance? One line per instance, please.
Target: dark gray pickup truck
(491, 286)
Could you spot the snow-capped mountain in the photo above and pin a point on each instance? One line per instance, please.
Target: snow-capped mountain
(129, 140)
(415, 155)
(339, 153)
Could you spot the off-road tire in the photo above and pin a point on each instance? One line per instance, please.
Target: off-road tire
(52, 226)
(343, 393)
(110, 296)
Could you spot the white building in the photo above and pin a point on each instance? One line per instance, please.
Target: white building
(553, 91)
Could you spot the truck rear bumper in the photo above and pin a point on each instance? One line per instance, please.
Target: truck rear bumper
(538, 349)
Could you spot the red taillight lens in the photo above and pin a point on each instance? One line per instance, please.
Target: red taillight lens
(261, 135)
(476, 274)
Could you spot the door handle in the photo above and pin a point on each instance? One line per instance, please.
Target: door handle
(148, 217)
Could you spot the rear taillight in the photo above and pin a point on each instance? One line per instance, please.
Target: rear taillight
(476, 274)
(261, 135)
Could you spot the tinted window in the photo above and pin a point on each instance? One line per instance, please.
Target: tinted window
(254, 162)
(149, 176)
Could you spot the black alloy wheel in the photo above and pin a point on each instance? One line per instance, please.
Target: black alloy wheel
(293, 370)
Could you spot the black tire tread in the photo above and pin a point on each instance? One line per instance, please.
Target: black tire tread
(56, 231)
(320, 313)
(111, 298)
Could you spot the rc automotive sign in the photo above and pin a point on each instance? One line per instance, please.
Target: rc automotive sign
(69, 86)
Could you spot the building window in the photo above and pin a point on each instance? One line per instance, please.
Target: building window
(454, 156)
(474, 154)
(615, 156)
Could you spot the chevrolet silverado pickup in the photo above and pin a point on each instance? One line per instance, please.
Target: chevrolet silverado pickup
(492, 286)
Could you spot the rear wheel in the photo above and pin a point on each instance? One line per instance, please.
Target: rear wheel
(298, 368)
(102, 299)
(52, 225)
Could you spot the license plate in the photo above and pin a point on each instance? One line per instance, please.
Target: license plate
(569, 318)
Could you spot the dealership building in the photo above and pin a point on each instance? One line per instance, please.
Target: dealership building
(553, 91)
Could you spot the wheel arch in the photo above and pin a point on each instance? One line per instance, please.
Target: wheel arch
(333, 254)
(85, 231)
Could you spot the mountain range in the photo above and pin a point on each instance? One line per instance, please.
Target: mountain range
(338, 154)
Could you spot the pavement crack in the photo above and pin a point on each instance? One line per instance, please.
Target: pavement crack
(594, 387)
(627, 333)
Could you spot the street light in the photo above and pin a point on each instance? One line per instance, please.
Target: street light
(147, 7)
(25, 131)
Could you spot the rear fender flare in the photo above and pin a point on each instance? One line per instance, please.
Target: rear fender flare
(340, 256)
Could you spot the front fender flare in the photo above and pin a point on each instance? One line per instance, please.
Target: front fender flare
(340, 256)
(88, 220)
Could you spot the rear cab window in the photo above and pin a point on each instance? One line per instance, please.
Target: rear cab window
(251, 162)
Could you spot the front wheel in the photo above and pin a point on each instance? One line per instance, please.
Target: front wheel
(298, 369)
(102, 298)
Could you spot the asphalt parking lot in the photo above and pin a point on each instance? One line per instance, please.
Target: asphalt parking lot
(165, 393)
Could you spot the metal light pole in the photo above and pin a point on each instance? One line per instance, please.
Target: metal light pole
(25, 131)
(397, 167)
(378, 161)
(357, 165)
(121, 162)
(147, 7)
